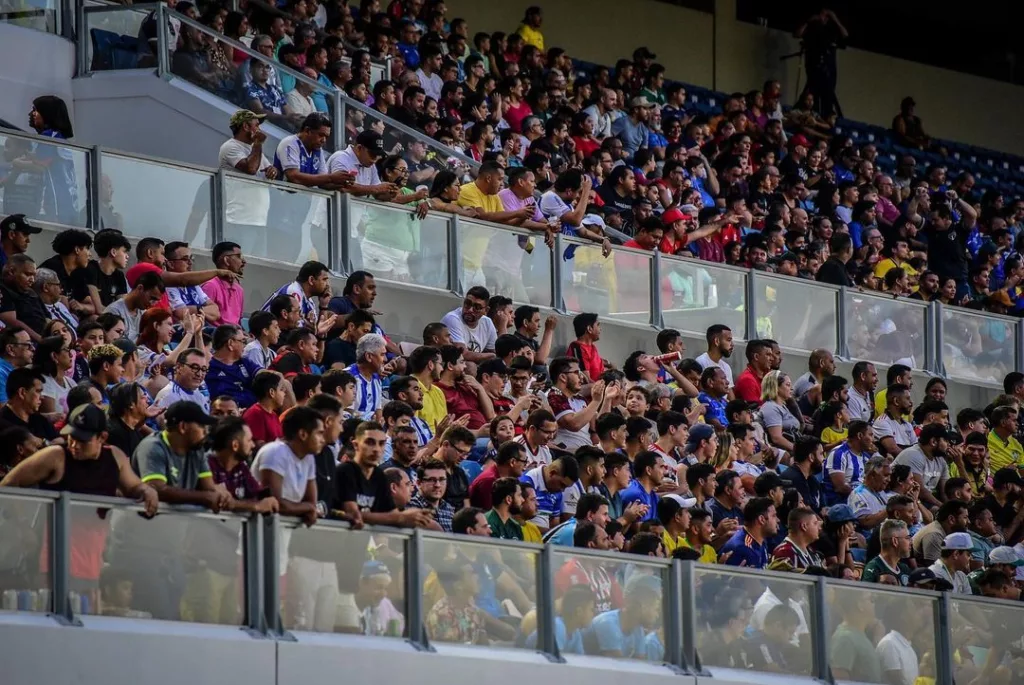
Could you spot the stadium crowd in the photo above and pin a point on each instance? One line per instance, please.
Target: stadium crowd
(150, 381)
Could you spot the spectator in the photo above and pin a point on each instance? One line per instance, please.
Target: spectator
(265, 332)
(104, 279)
(53, 361)
(301, 349)
(15, 232)
(432, 481)
(529, 29)
(470, 328)
(584, 348)
(952, 517)
(748, 383)
(746, 547)
(648, 476)
(128, 411)
(20, 306)
(860, 404)
(729, 497)
(632, 130)
(549, 481)
(509, 462)
(803, 528)
(24, 388)
(300, 158)
(190, 370)
(47, 287)
(1004, 449)
(844, 467)
(227, 292)
(189, 299)
(954, 562)
(230, 373)
(891, 431)
(148, 289)
(72, 255)
(360, 159)
(807, 460)
(868, 498)
(464, 396)
(262, 415)
(720, 346)
(779, 422)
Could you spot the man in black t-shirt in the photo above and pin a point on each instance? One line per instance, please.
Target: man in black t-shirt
(362, 491)
(104, 280)
(947, 242)
(20, 305)
(24, 396)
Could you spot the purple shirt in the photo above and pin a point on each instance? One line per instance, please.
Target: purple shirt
(511, 203)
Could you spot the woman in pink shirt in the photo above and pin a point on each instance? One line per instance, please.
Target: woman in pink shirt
(228, 294)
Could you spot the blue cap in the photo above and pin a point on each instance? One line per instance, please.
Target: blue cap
(699, 432)
(840, 513)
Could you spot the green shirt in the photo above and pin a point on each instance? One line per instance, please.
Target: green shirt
(853, 652)
(876, 568)
(510, 530)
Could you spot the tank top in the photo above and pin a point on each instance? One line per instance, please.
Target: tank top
(88, 476)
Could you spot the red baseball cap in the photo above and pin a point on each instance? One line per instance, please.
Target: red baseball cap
(800, 139)
(672, 215)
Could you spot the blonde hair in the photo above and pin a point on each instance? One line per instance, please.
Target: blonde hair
(770, 385)
(722, 460)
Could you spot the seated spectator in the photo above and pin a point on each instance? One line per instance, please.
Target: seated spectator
(952, 517)
(190, 299)
(955, 561)
(148, 289)
(15, 232)
(549, 481)
(808, 456)
(340, 352)
(190, 370)
(262, 415)
(431, 482)
(509, 462)
(892, 433)
(72, 256)
(803, 529)
(128, 411)
(53, 361)
(844, 466)
(746, 547)
(230, 373)
(648, 475)
(20, 306)
(265, 332)
(301, 349)
(24, 388)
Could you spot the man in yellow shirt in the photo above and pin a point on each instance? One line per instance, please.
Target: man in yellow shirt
(482, 195)
(899, 253)
(699, 534)
(897, 373)
(425, 366)
(531, 533)
(1004, 449)
(530, 28)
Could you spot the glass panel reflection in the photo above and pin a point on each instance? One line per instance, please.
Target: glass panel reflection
(288, 224)
(617, 286)
(25, 583)
(43, 180)
(478, 594)
(114, 40)
(393, 243)
(507, 263)
(702, 295)
(977, 347)
(809, 326)
(986, 638)
(39, 15)
(886, 331)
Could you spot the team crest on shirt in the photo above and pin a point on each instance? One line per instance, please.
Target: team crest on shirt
(174, 472)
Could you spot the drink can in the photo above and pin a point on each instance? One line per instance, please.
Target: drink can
(9, 601)
(394, 629)
(667, 358)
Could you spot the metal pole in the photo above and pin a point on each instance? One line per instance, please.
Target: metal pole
(1018, 357)
(60, 560)
(929, 339)
(673, 610)
(163, 67)
(95, 180)
(944, 638)
(83, 41)
(656, 316)
(455, 284)
(688, 611)
(218, 207)
(940, 366)
(272, 575)
(343, 233)
(338, 125)
(556, 275)
(255, 578)
(545, 571)
(842, 348)
(819, 632)
(414, 576)
(751, 307)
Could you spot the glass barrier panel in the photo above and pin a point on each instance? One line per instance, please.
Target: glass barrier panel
(39, 15)
(516, 265)
(754, 621)
(44, 181)
(609, 608)
(116, 40)
(701, 296)
(251, 81)
(986, 638)
(617, 286)
(180, 210)
(977, 347)
(341, 581)
(881, 637)
(478, 594)
(25, 583)
(797, 314)
(378, 72)
(283, 223)
(174, 567)
(394, 244)
(886, 330)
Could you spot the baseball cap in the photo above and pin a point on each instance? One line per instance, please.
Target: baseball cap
(593, 220)
(17, 222)
(184, 411)
(1006, 476)
(927, 577)
(958, 541)
(787, 257)
(684, 502)
(671, 216)
(640, 101)
(644, 53)
(799, 139)
(372, 141)
(85, 422)
(244, 116)
(702, 431)
(1004, 555)
(840, 513)
(125, 345)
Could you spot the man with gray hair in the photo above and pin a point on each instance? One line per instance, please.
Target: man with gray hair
(371, 355)
(47, 287)
(867, 500)
(889, 567)
(20, 306)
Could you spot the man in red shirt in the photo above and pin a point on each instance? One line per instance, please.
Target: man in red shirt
(759, 362)
(681, 228)
(584, 347)
(463, 393)
(508, 463)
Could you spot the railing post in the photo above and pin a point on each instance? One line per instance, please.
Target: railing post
(842, 348)
(672, 609)
(944, 637)
(940, 366)
(751, 307)
(545, 571)
(387, 67)
(163, 61)
(271, 574)
(414, 577)
(656, 319)
(688, 612)
(95, 181)
(255, 577)
(1018, 357)
(338, 125)
(557, 265)
(929, 339)
(60, 560)
(218, 207)
(82, 42)
(455, 283)
(819, 632)
(343, 233)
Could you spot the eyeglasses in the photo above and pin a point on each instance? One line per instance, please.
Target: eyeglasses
(438, 480)
(196, 368)
(186, 258)
(475, 306)
(240, 341)
(30, 345)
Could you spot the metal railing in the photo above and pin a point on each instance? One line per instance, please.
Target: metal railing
(277, 578)
(102, 188)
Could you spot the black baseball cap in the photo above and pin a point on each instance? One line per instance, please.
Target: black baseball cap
(184, 411)
(1006, 476)
(85, 422)
(372, 141)
(17, 222)
(925, 578)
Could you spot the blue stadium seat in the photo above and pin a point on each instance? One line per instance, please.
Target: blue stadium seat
(113, 51)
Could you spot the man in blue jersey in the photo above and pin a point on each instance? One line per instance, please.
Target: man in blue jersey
(590, 507)
(370, 360)
(648, 474)
(300, 158)
(620, 633)
(311, 289)
(549, 481)
(843, 470)
(746, 547)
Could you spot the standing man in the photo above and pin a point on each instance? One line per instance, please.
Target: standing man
(247, 205)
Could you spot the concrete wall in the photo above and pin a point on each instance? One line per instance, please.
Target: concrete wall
(46, 64)
(952, 105)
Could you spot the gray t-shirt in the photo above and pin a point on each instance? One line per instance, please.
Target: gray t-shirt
(131, 321)
(775, 414)
(933, 471)
(803, 384)
(155, 460)
(633, 136)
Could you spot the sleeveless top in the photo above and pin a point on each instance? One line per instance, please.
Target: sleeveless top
(98, 476)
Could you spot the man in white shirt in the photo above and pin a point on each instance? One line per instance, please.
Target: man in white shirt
(246, 205)
(430, 64)
(298, 98)
(188, 384)
(601, 113)
(861, 395)
(470, 328)
(361, 158)
(720, 346)
(954, 562)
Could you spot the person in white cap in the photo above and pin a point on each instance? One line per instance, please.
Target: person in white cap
(674, 514)
(954, 560)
